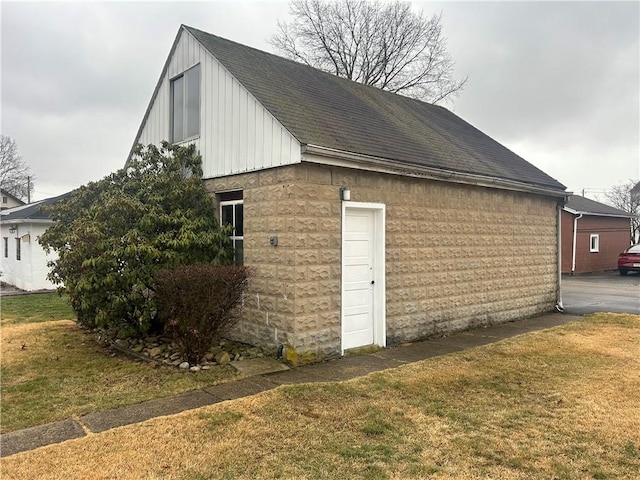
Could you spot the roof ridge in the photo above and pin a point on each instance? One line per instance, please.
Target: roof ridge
(329, 75)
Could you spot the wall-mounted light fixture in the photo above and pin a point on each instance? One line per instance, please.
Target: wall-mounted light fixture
(345, 194)
(13, 229)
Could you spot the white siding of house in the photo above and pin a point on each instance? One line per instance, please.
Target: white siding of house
(237, 134)
(10, 202)
(30, 272)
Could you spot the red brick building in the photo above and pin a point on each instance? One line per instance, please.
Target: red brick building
(593, 234)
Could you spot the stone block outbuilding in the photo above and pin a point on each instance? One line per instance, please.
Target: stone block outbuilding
(369, 218)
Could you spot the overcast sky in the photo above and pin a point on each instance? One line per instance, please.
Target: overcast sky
(557, 83)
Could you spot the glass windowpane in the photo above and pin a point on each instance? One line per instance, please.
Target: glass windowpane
(192, 102)
(239, 220)
(227, 215)
(177, 109)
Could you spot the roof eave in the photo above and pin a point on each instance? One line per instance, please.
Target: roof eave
(596, 214)
(20, 221)
(343, 158)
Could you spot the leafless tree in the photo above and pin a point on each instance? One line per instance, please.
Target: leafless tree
(15, 174)
(386, 45)
(627, 197)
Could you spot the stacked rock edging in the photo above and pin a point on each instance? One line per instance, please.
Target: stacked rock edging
(161, 350)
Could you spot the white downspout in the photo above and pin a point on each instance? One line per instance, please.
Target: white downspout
(559, 305)
(575, 235)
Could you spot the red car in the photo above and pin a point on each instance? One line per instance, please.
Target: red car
(629, 260)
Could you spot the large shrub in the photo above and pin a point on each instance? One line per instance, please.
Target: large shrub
(112, 235)
(199, 303)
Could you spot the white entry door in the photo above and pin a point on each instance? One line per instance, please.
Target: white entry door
(362, 320)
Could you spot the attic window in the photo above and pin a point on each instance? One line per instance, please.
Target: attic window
(185, 105)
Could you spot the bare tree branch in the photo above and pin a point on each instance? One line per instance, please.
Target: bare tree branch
(385, 45)
(627, 197)
(15, 175)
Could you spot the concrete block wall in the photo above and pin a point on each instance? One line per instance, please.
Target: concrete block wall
(460, 256)
(294, 296)
(457, 256)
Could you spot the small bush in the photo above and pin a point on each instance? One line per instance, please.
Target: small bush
(199, 303)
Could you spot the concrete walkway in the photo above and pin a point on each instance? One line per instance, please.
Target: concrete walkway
(343, 368)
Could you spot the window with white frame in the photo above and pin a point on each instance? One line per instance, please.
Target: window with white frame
(6, 247)
(594, 242)
(232, 213)
(185, 105)
(18, 252)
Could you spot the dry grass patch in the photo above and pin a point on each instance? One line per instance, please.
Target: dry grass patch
(557, 404)
(53, 370)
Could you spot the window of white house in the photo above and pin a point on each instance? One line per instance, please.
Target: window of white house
(232, 213)
(5, 199)
(594, 242)
(18, 252)
(185, 105)
(6, 247)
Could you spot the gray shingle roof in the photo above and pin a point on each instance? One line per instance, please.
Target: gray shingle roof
(587, 206)
(32, 211)
(324, 110)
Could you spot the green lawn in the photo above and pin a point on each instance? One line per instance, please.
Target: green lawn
(35, 308)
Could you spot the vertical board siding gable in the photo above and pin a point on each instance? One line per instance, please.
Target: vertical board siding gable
(237, 134)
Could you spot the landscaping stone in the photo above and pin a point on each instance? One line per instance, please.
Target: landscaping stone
(254, 352)
(163, 350)
(223, 358)
(156, 351)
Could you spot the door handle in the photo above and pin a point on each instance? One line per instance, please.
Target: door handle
(372, 282)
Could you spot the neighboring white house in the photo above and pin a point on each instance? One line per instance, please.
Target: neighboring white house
(9, 200)
(23, 262)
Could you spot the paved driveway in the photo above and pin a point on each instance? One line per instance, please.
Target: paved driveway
(602, 292)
